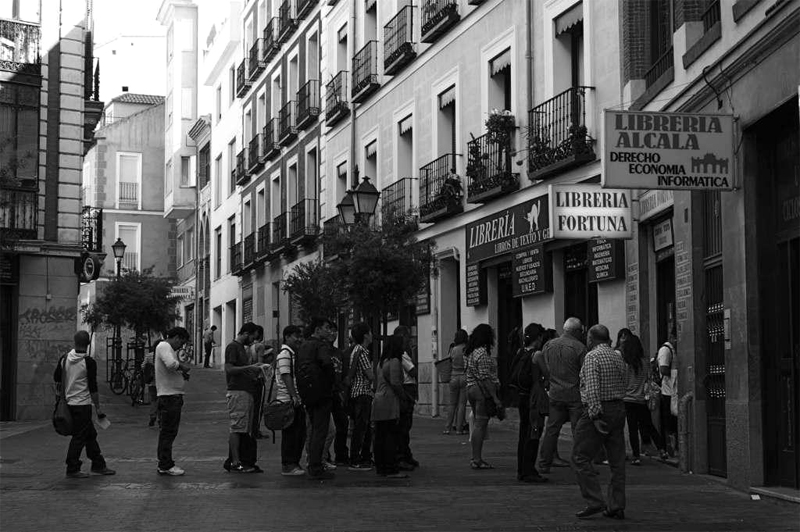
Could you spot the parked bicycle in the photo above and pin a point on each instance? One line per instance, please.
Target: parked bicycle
(136, 386)
(118, 377)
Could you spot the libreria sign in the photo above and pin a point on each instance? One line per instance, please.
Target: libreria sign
(668, 151)
(588, 211)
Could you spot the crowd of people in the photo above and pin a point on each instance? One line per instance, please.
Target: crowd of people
(332, 394)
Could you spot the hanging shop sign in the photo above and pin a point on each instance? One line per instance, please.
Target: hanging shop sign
(662, 235)
(531, 272)
(654, 202)
(183, 293)
(514, 228)
(588, 211)
(606, 260)
(423, 299)
(476, 285)
(672, 151)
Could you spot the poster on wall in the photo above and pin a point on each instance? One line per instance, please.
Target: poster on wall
(587, 211)
(531, 272)
(674, 151)
(476, 285)
(606, 260)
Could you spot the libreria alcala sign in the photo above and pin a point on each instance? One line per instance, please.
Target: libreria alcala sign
(668, 151)
(588, 211)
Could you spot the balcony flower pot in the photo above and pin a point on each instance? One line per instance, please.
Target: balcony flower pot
(500, 126)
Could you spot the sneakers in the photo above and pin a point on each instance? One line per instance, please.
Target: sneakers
(77, 474)
(359, 467)
(239, 468)
(405, 466)
(328, 466)
(104, 471)
(294, 471)
(173, 471)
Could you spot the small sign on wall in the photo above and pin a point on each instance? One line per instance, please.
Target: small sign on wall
(662, 235)
(606, 260)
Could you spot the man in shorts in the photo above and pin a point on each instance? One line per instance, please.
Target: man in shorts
(242, 381)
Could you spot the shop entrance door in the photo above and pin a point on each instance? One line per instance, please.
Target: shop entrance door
(8, 358)
(665, 295)
(509, 315)
(580, 296)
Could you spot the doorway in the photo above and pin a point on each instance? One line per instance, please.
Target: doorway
(509, 316)
(580, 296)
(8, 355)
(665, 295)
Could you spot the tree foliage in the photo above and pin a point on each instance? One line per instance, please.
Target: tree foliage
(137, 300)
(315, 289)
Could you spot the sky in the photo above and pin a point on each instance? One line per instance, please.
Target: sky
(129, 17)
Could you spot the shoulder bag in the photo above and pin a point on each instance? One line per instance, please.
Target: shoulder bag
(277, 414)
(62, 417)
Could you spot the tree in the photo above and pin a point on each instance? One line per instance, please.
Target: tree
(315, 289)
(137, 300)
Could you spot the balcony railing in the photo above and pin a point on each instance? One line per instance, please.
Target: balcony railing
(365, 71)
(308, 106)
(236, 258)
(288, 130)
(242, 83)
(438, 16)
(271, 43)
(249, 249)
(20, 50)
(279, 233)
(18, 212)
(129, 193)
(288, 20)
(241, 167)
(92, 229)
(489, 170)
(396, 200)
(304, 7)
(558, 139)
(271, 146)
(440, 190)
(254, 160)
(711, 15)
(263, 241)
(304, 220)
(399, 47)
(659, 68)
(130, 261)
(336, 100)
(256, 60)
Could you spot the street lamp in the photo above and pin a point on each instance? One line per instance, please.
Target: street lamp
(119, 251)
(347, 209)
(365, 198)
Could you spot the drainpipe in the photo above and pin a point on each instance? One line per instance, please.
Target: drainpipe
(353, 152)
(435, 343)
(684, 433)
(528, 58)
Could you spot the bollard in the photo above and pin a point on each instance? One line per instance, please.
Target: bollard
(684, 432)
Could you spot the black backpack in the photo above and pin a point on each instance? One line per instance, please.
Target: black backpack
(308, 373)
(521, 378)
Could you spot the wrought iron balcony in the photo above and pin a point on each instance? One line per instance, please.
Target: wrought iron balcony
(365, 72)
(271, 43)
(438, 16)
(440, 190)
(20, 52)
(280, 237)
(254, 159)
(128, 195)
(662, 65)
(558, 139)
(288, 20)
(287, 128)
(236, 259)
(489, 170)
(396, 201)
(399, 47)
(336, 101)
(332, 246)
(241, 167)
(256, 61)
(18, 212)
(249, 249)
(304, 7)
(242, 83)
(270, 135)
(304, 221)
(308, 106)
(263, 241)
(91, 229)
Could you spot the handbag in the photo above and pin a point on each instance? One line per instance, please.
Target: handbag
(652, 395)
(278, 415)
(62, 417)
(492, 409)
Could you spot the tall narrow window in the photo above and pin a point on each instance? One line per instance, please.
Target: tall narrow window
(342, 59)
(370, 163)
(218, 180)
(19, 130)
(231, 167)
(129, 178)
(405, 144)
(168, 177)
(446, 121)
(189, 244)
(219, 102)
(129, 234)
(500, 81)
(185, 171)
(218, 250)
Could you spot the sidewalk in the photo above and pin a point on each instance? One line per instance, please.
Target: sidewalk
(444, 494)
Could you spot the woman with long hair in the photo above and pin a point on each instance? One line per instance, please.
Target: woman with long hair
(636, 411)
(528, 386)
(482, 387)
(458, 385)
(386, 408)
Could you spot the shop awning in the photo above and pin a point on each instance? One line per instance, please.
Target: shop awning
(501, 62)
(447, 97)
(341, 170)
(369, 4)
(372, 149)
(406, 124)
(342, 33)
(569, 19)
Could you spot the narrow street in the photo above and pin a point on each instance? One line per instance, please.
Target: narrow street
(444, 494)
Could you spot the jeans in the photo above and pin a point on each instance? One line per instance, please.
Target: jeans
(152, 395)
(293, 438)
(83, 435)
(560, 412)
(208, 348)
(669, 423)
(386, 435)
(361, 440)
(342, 422)
(458, 402)
(405, 423)
(527, 447)
(588, 443)
(169, 408)
(319, 415)
(640, 422)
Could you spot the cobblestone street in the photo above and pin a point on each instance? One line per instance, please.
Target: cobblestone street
(444, 494)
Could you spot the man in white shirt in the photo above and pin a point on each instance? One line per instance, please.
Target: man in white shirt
(171, 375)
(668, 367)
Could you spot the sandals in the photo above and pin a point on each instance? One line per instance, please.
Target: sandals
(636, 461)
(479, 464)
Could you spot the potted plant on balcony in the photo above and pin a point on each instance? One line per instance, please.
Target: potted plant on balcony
(499, 126)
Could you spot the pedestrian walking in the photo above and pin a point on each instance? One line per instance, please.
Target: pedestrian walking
(563, 358)
(386, 408)
(405, 456)
(208, 344)
(636, 412)
(603, 380)
(456, 419)
(315, 381)
(76, 373)
(171, 377)
(341, 420)
(361, 393)
(667, 361)
(482, 388)
(242, 379)
(527, 384)
(293, 437)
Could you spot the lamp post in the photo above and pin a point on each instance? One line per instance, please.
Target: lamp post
(119, 251)
(358, 204)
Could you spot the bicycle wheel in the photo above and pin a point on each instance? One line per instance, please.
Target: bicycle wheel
(118, 382)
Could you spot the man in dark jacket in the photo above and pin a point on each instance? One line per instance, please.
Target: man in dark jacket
(315, 381)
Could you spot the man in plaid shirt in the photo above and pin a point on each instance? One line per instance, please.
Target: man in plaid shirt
(361, 393)
(603, 379)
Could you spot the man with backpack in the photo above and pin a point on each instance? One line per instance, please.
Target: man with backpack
(668, 368)
(315, 375)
